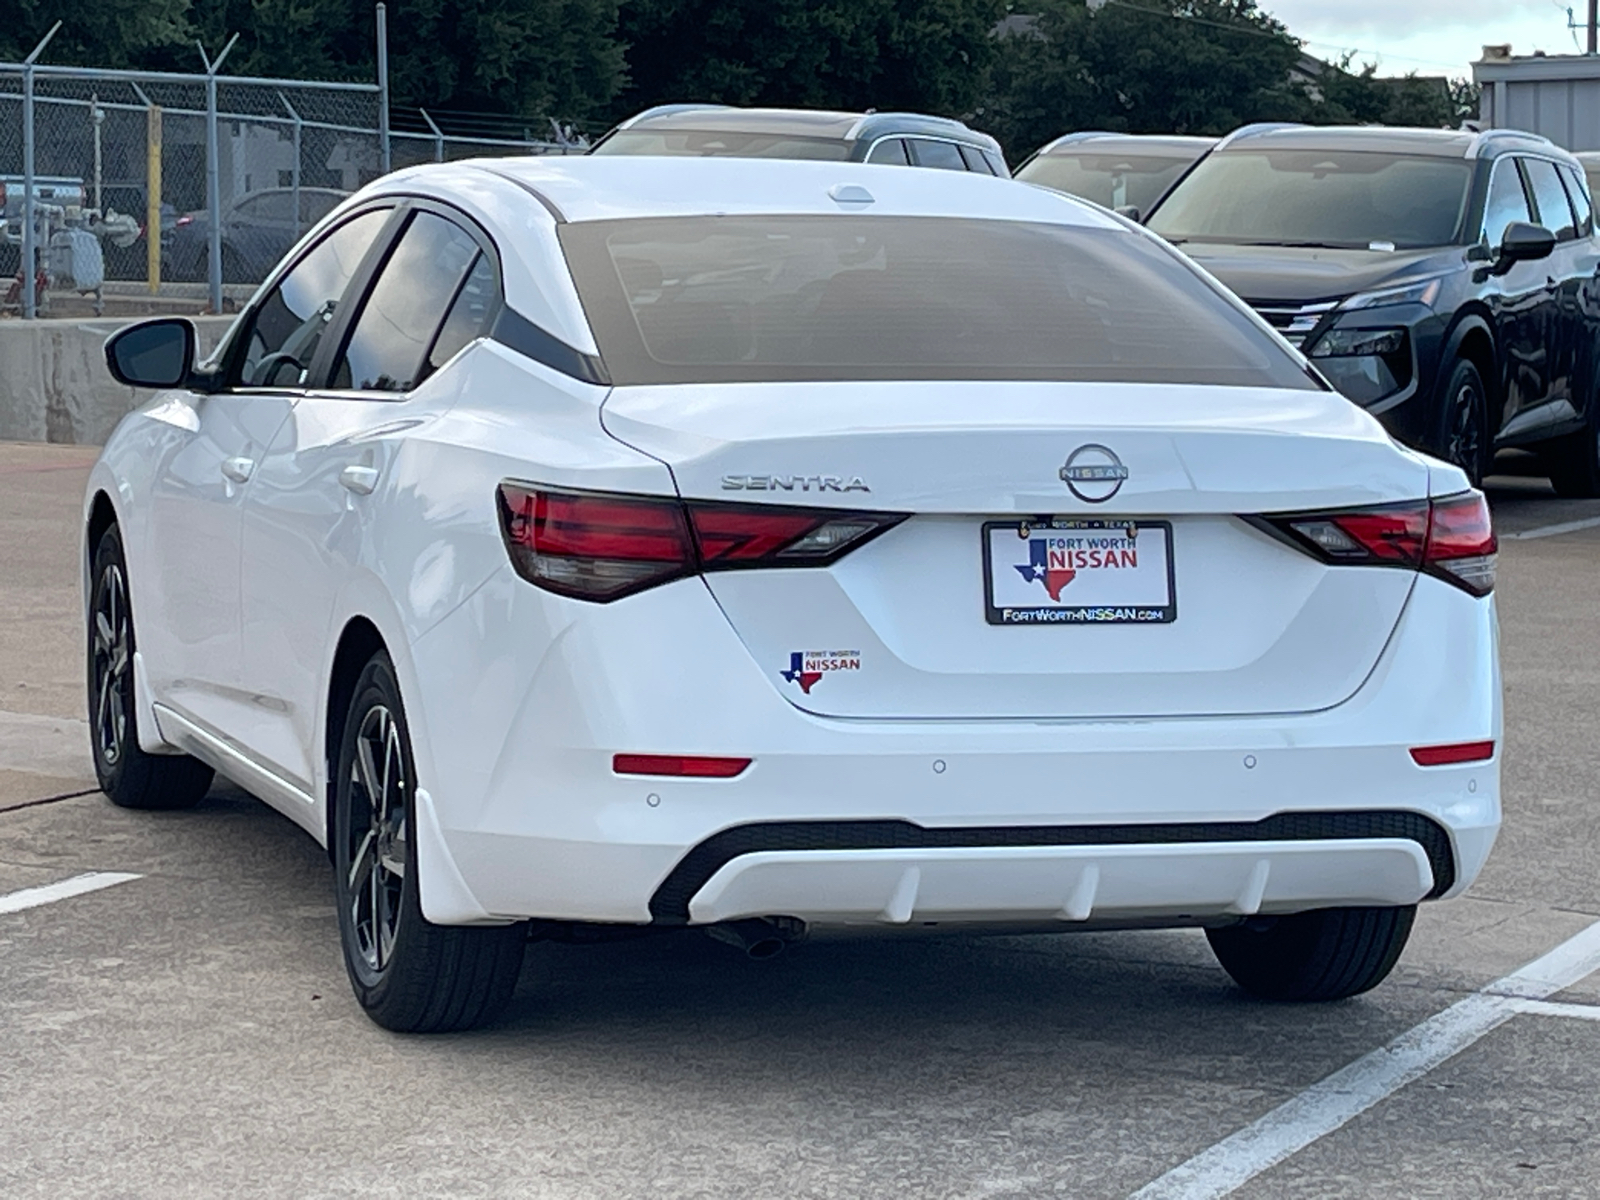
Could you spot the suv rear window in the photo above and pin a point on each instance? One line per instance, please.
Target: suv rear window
(1111, 180)
(761, 299)
(1352, 199)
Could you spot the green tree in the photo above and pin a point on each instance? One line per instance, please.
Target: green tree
(930, 55)
(113, 33)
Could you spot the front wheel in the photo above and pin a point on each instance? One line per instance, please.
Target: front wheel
(408, 974)
(1464, 436)
(126, 773)
(1325, 954)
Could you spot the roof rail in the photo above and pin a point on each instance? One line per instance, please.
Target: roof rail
(1255, 129)
(1484, 140)
(868, 118)
(662, 110)
(1069, 139)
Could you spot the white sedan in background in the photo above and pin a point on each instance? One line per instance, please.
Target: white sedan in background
(788, 546)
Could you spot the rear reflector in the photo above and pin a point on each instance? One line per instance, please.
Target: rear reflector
(1450, 538)
(678, 764)
(1456, 752)
(596, 546)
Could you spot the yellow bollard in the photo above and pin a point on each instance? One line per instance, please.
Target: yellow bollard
(152, 200)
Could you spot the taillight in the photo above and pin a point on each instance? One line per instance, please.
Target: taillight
(694, 766)
(1455, 752)
(1451, 538)
(597, 546)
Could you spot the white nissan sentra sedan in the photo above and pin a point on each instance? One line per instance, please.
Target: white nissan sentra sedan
(785, 546)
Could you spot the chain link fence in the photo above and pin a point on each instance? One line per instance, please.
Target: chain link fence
(121, 201)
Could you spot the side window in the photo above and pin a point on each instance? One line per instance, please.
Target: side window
(475, 307)
(891, 152)
(1579, 195)
(1555, 214)
(997, 164)
(288, 325)
(414, 292)
(941, 155)
(1505, 203)
(974, 160)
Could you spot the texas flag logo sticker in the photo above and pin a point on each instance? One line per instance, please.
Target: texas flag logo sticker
(807, 667)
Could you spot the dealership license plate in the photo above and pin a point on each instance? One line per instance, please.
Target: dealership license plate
(1074, 571)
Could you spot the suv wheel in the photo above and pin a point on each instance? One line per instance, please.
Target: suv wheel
(1464, 437)
(1575, 463)
(130, 777)
(408, 974)
(1325, 954)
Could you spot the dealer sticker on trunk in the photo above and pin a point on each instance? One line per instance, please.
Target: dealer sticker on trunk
(1073, 571)
(807, 668)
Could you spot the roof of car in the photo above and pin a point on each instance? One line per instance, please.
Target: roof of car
(1178, 145)
(588, 188)
(1394, 139)
(799, 122)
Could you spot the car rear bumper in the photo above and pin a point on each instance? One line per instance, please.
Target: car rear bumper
(531, 821)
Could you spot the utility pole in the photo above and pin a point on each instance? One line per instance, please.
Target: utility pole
(1594, 18)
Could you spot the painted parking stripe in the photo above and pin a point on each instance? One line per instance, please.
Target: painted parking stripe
(1349, 1092)
(1545, 531)
(33, 897)
(1548, 1008)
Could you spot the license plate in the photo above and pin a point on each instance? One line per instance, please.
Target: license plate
(1074, 571)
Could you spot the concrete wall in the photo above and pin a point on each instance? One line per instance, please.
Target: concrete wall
(54, 386)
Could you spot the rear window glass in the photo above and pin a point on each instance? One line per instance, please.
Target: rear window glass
(1347, 199)
(757, 299)
(717, 143)
(1111, 180)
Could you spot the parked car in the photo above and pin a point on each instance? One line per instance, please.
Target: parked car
(1127, 172)
(579, 546)
(257, 230)
(899, 139)
(1445, 281)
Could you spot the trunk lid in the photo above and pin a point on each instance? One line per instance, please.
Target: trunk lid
(898, 628)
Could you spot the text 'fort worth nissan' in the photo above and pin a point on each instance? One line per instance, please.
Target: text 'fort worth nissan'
(637, 542)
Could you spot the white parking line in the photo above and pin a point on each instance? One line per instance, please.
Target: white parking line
(1545, 531)
(51, 892)
(1349, 1092)
(1548, 1008)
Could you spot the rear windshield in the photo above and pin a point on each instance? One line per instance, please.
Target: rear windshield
(762, 299)
(1355, 199)
(711, 143)
(1109, 180)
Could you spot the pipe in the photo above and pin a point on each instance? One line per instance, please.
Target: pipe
(759, 937)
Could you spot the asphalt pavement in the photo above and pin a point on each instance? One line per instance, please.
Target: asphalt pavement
(178, 1024)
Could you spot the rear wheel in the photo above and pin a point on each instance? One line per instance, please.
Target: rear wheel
(1464, 437)
(1575, 463)
(408, 974)
(128, 775)
(1326, 954)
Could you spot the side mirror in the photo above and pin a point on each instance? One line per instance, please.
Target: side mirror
(1523, 242)
(153, 354)
(1131, 211)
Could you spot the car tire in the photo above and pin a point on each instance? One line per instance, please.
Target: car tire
(1575, 463)
(1325, 954)
(127, 774)
(1464, 436)
(409, 975)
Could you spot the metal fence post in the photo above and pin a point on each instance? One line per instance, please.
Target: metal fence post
(30, 248)
(438, 136)
(213, 179)
(152, 198)
(294, 173)
(383, 87)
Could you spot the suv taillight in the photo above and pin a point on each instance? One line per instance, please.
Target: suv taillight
(1451, 538)
(599, 546)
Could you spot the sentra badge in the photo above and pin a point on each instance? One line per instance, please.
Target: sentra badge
(807, 667)
(794, 483)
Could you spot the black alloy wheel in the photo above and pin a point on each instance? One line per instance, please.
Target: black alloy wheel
(130, 776)
(1465, 439)
(409, 974)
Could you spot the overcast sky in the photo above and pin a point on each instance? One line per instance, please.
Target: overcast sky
(1428, 36)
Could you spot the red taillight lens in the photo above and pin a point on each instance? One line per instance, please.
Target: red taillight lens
(1456, 752)
(597, 546)
(692, 766)
(594, 547)
(1450, 538)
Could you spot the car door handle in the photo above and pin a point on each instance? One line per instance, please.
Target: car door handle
(238, 469)
(358, 479)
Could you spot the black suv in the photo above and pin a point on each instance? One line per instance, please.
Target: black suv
(1447, 282)
(897, 139)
